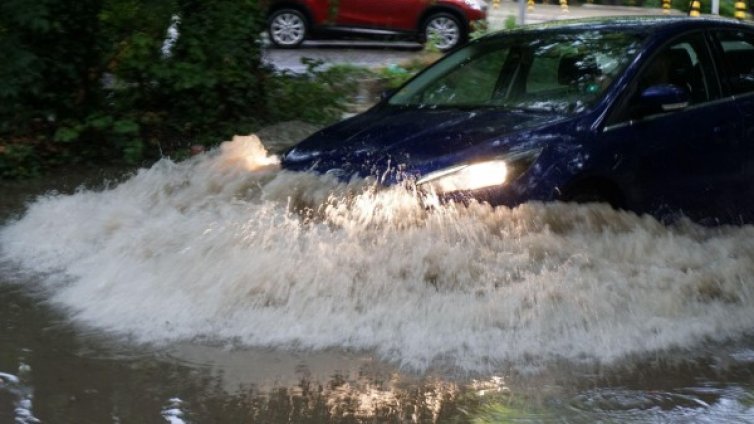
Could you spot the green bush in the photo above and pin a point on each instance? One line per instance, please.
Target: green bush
(49, 75)
(91, 81)
(87, 80)
(18, 160)
(210, 85)
(319, 96)
(395, 75)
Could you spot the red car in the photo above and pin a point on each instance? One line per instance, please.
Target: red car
(447, 22)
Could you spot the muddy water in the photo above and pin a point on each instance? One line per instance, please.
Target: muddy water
(222, 289)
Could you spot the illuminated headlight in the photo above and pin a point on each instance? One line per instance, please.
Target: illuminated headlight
(468, 177)
(474, 176)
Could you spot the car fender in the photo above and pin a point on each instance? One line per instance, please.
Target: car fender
(443, 8)
(311, 16)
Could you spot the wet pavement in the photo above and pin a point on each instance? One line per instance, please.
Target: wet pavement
(379, 53)
(194, 293)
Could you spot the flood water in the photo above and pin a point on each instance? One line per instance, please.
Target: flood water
(221, 289)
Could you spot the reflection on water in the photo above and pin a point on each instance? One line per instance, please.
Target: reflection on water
(223, 290)
(173, 412)
(79, 375)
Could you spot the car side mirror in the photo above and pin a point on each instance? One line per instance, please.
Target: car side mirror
(664, 98)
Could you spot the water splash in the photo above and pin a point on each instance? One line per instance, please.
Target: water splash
(22, 395)
(225, 247)
(174, 412)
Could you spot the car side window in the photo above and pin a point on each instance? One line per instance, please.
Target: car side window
(683, 64)
(543, 75)
(472, 83)
(738, 60)
(591, 71)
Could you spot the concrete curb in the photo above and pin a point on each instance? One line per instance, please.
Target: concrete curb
(552, 12)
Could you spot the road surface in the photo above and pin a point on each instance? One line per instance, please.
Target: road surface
(376, 54)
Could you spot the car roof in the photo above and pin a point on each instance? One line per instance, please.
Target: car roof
(647, 24)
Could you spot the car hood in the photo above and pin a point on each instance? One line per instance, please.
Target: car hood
(378, 139)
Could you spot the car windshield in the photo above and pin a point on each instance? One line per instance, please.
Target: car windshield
(562, 73)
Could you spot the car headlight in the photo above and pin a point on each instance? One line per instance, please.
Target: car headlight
(474, 176)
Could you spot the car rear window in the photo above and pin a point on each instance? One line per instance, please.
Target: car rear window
(738, 52)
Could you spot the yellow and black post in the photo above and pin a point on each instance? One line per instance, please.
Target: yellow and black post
(530, 5)
(564, 6)
(666, 7)
(740, 13)
(695, 6)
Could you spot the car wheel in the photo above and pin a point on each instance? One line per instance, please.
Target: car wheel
(287, 28)
(444, 30)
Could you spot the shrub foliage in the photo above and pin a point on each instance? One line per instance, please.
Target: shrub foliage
(86, 80)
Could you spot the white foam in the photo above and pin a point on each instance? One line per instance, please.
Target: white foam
(8, 378)
(216, 248)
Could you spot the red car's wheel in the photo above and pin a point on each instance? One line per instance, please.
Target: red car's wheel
(287, 28)
(444, 30)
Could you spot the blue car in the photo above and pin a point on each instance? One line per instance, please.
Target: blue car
(651, 114)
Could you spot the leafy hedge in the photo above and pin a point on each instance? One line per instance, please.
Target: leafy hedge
(94, 80)
(88, 80)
